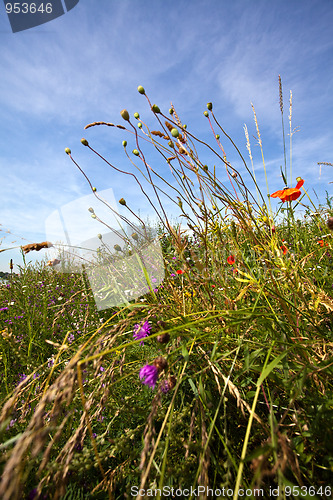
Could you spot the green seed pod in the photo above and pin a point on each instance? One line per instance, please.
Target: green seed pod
(91, 210)
(122, 202)
(125, 115)
(141, 90)
(206, 113)
(170, 144)
(68, 151)
(135, 152)
(217, 136)
(185, 126)
(174, 132)
(93, 216)
(136, 115)
(155, 108)
(94, 189)
(124, 143)
(171, 111)
(84, 142)
(209, 106)
(140, 125)
(99, 236)
(117, 248)
(135, 236)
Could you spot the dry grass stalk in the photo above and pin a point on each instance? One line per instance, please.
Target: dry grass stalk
(36, 246)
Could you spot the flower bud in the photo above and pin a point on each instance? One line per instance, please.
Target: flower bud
(84, 142)
(91, 210)
(171, 111)
(93, 216)
(135, 152)
(94, 189)
(124, 143)
(135, 236)
(174, 132)
(209, 106)
(99, 236)
(206, 113)
(330, 223)
(171, 381)
(160, 363)
(68, 151)
(122, 202)
(163, 338)
(155, 108)
(217, 136)
(136, 115)
(117, 248)
(125, 115)
(141, 90)
(140, 125)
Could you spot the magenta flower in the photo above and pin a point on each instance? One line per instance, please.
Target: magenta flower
(164, 386)
(141, 331)
(148, 375)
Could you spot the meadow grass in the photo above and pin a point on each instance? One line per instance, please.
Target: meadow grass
(236, 344)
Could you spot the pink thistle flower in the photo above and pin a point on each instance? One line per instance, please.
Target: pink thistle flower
(148, 375)
(142, 331)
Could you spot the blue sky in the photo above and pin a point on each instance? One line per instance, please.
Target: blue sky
(86, 65)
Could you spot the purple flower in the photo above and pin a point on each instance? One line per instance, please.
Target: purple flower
(141, 331)
(3, 309)
(148, 375)
(164, 386)
(70, 338)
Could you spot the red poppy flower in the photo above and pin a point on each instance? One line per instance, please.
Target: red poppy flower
(231, 259)
(180, 271)
(289, 194)
(285, 249)
(321, 243)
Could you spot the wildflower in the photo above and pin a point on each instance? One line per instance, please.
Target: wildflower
(284, 249)
(168, 384)
(164, 386)
(180, 271)
(289, 194)
(141, 331)
(70, 338)
(321, 243)
(231, 259)
(3, 309)
(148, 375)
